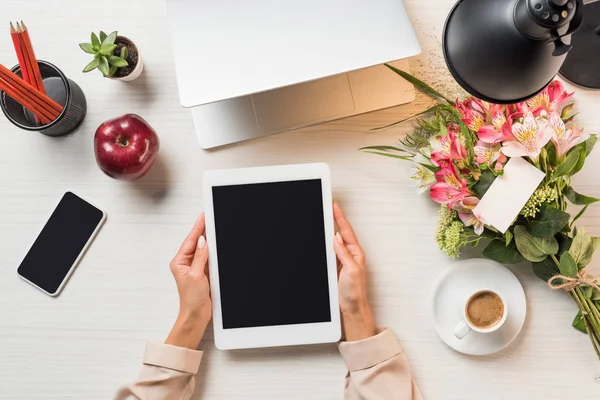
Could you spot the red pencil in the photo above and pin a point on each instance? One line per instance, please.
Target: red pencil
(20, 58)
(35, 68)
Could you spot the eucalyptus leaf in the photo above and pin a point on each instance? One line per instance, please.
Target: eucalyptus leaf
(110, 39)
(548, 221)
(545, 269)
(419, 84)
(508, 236)
(564, 242)
(577, 198)
(117, 61)
(430, 109)
(567, 265)
(579, 323)
(583, 247)
(87, 47)
(107, 49)
(92, 65)
(533, 248)
(498, 251)
(589, 253)
(484, 183)
(566, 167)
(587, 292)
(103, 66)
(95, 42)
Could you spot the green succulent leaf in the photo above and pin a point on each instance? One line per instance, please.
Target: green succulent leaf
(124, 53)
(103, 66)
(117, 61)
(107, 49)
(110, 39)
(87, 47)
(533, 248)
(102, 36)
(95, 42)
(92, 65)
(112, 70)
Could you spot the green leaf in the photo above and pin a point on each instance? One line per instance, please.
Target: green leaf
(567, 166)
(112, 70)
(484, 183)
(564, 242)
(533, 248)
(406, 158)
(577, 198)
(589, 144)
(498, 251)
(579, 323)
(419, 84)
(548, 221)
(117, 61)
(92, 65)
(102, 36)
(107, 49)
(566, 111)
(587, 292)
(110, 39)
(583, 247)
(95, 42)
(580, 162)
(567, 265)
(430, 109)
(87, 47)
(384, 148)
(508, 236)
(551, 153)
(103, 66)
(579, 214)
(124, 53)
(545, 269)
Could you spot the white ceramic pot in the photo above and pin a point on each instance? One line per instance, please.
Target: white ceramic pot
(137, 71)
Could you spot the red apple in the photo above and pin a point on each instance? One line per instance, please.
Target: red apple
(126, 147)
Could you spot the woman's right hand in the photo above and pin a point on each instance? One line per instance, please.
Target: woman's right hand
(357, 317)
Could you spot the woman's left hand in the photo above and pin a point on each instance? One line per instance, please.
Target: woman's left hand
(189, 268)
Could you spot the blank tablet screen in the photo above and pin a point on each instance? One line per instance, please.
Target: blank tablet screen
(271, 253)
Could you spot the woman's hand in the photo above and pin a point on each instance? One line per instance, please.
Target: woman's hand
(357, 317)
(189, 268)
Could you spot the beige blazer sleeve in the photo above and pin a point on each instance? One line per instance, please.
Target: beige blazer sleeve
(168, 372)
(378, 370)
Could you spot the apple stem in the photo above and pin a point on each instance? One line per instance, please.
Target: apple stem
(123, 142)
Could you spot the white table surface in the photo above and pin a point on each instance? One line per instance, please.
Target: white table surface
(86, 342)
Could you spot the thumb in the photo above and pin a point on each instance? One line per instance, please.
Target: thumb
(342, 252)
(200, 257)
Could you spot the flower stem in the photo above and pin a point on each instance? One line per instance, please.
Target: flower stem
(593, 335)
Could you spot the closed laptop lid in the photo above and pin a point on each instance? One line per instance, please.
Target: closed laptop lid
(230, 48)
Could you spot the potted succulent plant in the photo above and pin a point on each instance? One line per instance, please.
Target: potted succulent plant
(116, 57)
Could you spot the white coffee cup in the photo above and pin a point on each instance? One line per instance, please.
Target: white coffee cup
(465, 326)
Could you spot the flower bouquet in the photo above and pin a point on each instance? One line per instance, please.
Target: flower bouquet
(462, 148)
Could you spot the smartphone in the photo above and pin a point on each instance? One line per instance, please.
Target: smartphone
(61, 244)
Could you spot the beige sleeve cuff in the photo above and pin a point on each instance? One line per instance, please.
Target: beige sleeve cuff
(172, 357)
(368, 352)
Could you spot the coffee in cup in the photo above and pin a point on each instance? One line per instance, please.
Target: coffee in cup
(485, 311)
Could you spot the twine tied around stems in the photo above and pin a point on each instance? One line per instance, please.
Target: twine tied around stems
(569, 283)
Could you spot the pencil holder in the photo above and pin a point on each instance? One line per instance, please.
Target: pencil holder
(62, 90)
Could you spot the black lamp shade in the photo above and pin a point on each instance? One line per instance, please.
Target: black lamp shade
(495, 58)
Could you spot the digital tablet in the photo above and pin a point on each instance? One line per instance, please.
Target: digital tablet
(273, 273)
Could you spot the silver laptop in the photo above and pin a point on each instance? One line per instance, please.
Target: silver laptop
(252, 68)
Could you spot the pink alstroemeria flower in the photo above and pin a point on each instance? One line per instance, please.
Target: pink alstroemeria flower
(528, 139)
(565, 139)
(449, 147)
(450, 187)
(500, 129)
(473, 112)
(550, 99)
(466, 213)
(486, 153)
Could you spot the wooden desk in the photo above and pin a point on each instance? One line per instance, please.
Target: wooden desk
(86, 342)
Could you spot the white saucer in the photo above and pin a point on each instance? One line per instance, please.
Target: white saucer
(452, 289)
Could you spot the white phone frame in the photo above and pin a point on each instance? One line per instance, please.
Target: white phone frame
(79, 257)
(280, 335)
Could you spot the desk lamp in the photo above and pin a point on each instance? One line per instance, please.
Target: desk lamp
(506, 51)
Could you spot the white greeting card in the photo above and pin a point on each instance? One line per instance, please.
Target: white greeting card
(508, 194)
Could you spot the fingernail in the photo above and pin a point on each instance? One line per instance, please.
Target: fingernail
(338, 237)
(201, 242)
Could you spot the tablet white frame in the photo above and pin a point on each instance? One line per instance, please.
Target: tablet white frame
(280, 335)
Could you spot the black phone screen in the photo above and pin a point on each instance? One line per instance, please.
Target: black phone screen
(60, 243)
(272, 254)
